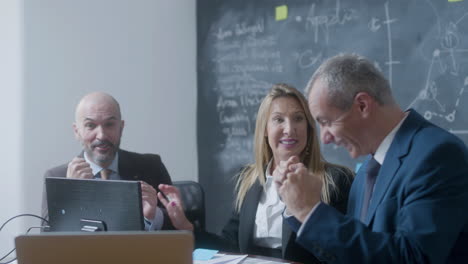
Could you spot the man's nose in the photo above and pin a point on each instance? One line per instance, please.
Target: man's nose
(326, 136)
(100, 133)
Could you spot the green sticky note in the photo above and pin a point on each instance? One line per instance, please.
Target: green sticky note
(281, 12)
(455, 0)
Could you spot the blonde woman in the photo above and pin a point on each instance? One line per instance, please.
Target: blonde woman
(284, 129)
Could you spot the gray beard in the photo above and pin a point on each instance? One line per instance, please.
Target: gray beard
(101, 159)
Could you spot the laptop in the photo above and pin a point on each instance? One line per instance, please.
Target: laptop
(175, 247)
(94, 205)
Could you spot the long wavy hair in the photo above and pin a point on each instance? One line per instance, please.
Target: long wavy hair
(311, 156)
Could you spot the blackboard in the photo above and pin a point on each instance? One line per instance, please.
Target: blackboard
(245, 46)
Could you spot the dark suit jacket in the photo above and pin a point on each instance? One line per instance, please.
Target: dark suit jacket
(237, 235)
(418, 212)
(132, 167)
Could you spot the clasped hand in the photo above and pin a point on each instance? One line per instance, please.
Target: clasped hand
(299, 188)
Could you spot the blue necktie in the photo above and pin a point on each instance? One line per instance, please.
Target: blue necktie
(372, 170)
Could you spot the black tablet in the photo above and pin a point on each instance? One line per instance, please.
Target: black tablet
(94, 205)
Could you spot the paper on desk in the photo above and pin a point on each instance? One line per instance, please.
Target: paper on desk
(260, 261)
(222, 259)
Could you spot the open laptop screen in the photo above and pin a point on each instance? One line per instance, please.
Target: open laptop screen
(88, 204)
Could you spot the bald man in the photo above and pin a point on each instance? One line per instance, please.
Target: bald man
(98, 127)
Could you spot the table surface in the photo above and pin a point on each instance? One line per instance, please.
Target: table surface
(263, 258)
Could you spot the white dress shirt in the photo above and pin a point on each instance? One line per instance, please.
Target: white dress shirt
(381, 151)
(268, 229)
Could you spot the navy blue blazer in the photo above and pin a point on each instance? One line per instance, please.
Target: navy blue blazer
(419, 209)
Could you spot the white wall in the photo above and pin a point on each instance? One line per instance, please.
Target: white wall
(11, 93)
(141, 51)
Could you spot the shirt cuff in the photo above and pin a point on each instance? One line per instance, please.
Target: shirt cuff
(157, 222)
(307, 218)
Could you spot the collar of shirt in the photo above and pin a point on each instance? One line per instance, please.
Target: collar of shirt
(381, 151)
(269, 189)
(268, 176)
(114, 166)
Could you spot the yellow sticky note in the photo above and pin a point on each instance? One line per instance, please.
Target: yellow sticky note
(281, 12)
(455, 0)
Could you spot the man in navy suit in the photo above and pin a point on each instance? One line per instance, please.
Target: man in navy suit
(412, 209)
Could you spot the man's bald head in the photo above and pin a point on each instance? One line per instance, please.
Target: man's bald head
(98, 126)
(97, 101)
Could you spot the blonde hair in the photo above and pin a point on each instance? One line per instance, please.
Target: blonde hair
(310, 156)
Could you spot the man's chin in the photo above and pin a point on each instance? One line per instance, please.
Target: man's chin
(101, 158)
(107, 156)
(354, 154)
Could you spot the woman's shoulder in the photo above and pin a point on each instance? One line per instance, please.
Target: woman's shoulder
(338, 171)
(342, 179)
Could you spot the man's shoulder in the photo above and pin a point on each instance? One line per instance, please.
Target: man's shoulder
(145, 165)
(436, 135)
(425, 131)
(58, 171)
(125, 154)
(338, 171)
(139, 159)
(432, 146)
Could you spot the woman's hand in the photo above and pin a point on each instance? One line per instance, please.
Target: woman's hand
(174, 207)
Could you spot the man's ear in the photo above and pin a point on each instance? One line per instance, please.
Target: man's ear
(364, 103)
(76, 132)
(122, 125)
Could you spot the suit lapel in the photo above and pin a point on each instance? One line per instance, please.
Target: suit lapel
(127, 169)
(384, 178)
(393, 160)
(285, 237)
(247, 216)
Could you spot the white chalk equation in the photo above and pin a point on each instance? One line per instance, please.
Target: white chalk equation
(447, 60)
(240, 29)
(244, 55)
(246, 50)
(320, 22)
(442, 93)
